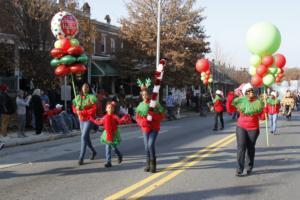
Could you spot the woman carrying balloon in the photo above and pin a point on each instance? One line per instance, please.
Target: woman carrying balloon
(251, 109)
(84, 105)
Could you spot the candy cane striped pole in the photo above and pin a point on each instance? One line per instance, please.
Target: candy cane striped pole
(157, 82)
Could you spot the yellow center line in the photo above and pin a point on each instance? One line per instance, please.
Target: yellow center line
(169, 168)
(175, 173)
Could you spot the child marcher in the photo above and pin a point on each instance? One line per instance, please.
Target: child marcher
(272, 108)
(111, 136)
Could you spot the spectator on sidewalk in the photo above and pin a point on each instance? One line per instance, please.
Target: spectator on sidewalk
(170, 106)
(38, 110)
(6, 109)
(123, 110)
(22, 103)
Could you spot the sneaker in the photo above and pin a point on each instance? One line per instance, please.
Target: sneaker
(272, 132)
(222, 128)
(93, 156)
(108, 165)
(120, 159)
(80, 162)
(249, 172)
(238, 173)
(215, 129)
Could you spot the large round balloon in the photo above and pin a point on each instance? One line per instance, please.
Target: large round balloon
(64, 24)
(263, 39)
(202, 65)
(279, 60)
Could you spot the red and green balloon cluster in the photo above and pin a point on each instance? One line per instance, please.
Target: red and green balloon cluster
(263, 39)
(68, 56)
(203, 68)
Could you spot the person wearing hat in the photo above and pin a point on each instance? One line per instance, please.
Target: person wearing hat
(38, 110)
(150, 129)
(219, 109)
(251, 109)
(111, 136)
(6, 109)
(84, 105)
(272, 108)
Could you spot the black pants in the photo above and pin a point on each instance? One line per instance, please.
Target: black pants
(38, 123)
(246, 140)
(219, 115)
(171, 113)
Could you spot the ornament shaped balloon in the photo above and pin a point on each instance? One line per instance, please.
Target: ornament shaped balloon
(68, 55)
(203, 68)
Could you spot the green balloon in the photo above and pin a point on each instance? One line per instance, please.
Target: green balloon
(82, 59)
(68, 60)
(255, 60)
(202, 78)
(55, 62)
(252, 71)
(210, 80)
(268, 80)
(74, 42)
(263, 39)
(203, 73)
(273, 70)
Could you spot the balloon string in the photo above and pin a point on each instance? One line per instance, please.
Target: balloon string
(209, 89)
(266, 118)
(74, 90)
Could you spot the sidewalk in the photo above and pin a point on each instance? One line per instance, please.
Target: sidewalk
(13, 140)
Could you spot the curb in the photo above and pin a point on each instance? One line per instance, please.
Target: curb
(38, 139)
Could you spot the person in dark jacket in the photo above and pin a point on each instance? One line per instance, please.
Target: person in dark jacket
(38, 110)
(6, 109)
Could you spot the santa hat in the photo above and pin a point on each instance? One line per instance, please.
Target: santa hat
(246, 87)
(58, 106)
(3, 87)
(219, 92)
(274, 93)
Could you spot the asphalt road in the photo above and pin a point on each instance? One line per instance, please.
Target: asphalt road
(194, 163)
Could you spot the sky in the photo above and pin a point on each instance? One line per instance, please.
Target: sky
(227, 23)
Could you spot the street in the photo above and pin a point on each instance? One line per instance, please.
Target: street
(193, 162)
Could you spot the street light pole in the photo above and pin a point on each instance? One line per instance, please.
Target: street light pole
(158, 34)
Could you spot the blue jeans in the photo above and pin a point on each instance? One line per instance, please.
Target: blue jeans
(108, 152)
(85, 128)
(273, 122)
(149, 142)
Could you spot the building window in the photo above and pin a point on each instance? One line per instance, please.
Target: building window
(113, 45)
(103, 43)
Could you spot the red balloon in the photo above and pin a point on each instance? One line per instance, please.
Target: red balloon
(78, 69)
(278, 80)
(205, 82)
(202, 65)
(267, 61)
(208, 73)
(256, 81)
(57, 53)
(281, 75)
(279, 60)
(65, 44)
(75, 50)
(61, 70)
(261, 70)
